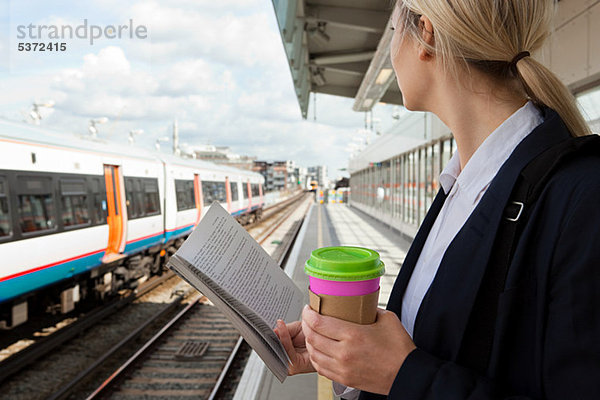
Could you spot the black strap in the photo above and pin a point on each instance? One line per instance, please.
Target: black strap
(479, 336)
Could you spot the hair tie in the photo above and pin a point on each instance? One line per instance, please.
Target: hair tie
(518, 57)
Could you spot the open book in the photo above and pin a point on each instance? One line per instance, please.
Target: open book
(228, 266)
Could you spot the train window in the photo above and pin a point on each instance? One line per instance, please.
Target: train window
(142, 197)
(234, 191)
(221, 192)
(152, 201)
(245, 189)
(36, 212)
(213, 191)
(74, 208)
(72, 186)
(5, 222)
(139, 197)
(99, 206)
(207, 192)
(130, 197)
(184, 191)
(255, 190)
(35, 204)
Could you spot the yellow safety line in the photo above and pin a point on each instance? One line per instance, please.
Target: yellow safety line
(319, 228)
(324, 391)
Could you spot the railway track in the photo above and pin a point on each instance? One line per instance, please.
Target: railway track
(38, 349)
(274, 211)
(156, 372)
(79, 384)
(185, 359)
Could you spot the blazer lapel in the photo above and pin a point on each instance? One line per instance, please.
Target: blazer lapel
(445, 310)
(395, 301)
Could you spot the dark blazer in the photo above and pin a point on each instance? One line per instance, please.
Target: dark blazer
(547, 332)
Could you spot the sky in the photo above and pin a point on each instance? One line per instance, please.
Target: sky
(218, 67)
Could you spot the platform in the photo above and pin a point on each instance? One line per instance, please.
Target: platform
(325, 225)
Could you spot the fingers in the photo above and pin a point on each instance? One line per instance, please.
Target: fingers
(323, 364)
(286, 340)
(330, 327)
(294, 328)
(318, 358)
(321, 343)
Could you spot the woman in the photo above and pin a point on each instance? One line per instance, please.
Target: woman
(468, 61)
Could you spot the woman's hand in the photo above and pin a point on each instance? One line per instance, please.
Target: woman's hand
(293, 341)
(365, 357)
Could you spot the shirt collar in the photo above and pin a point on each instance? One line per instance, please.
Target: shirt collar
(450, 173)
(491, 154)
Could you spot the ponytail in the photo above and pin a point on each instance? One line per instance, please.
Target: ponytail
(488, 34)
(543, 87)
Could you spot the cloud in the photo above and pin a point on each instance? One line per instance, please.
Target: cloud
(107, 85)
(217, 66)
(195, 76)
(253, 115)
(208, 30)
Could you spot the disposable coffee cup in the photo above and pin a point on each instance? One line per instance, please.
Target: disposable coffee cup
(344, 282)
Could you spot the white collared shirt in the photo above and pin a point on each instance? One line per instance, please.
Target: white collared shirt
(464, 189)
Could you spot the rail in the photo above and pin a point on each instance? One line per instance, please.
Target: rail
(20, 360)
(110, 385)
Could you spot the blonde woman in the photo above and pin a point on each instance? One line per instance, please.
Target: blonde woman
(469, 62)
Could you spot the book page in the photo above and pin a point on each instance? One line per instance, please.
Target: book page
(254, 330)
(222, 249)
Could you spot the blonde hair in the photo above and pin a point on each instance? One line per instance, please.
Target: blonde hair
(488, 35)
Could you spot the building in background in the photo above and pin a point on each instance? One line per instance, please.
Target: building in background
(279, 175)
(319, 174)
(302, 176)
(218, 155)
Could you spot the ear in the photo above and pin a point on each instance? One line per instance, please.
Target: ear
(427, 34)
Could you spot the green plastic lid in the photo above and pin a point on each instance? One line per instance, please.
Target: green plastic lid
(344, 263)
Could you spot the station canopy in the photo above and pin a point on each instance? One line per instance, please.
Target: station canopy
(339, 47)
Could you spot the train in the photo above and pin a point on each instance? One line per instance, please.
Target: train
(82, 218)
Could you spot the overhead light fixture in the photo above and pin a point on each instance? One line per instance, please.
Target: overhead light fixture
(378, 77)
(318, 33)
(323, 35)
(318, 78)
(383, 76)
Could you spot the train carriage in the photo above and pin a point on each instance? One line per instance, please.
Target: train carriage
(80, 218)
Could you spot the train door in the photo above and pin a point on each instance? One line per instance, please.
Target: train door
(116, 216)
(228, 194)
(198, 196)
(249, 194)
(260, 192)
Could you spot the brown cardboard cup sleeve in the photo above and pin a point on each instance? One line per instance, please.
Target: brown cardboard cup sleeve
(357, 309)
